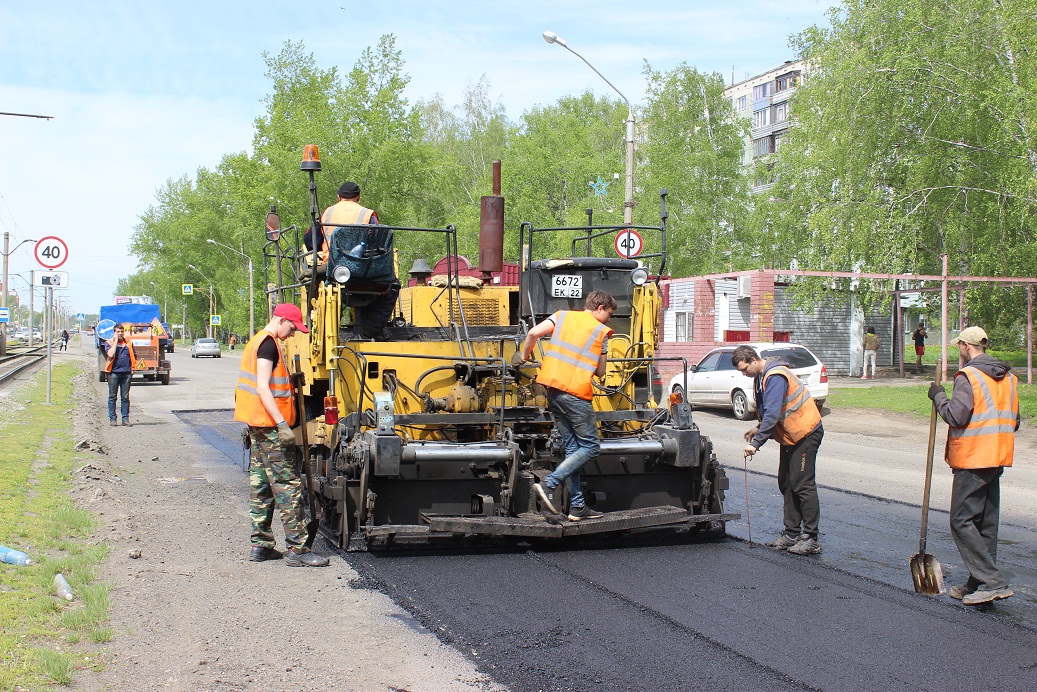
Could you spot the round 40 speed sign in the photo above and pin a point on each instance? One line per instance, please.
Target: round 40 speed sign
(51, 252)
(629, 243)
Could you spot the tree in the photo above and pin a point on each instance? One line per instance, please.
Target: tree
(913, 138)
(693, 147)
(561, 150)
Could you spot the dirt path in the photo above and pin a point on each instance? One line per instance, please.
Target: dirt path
(189, 611)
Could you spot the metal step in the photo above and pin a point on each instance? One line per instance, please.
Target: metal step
(557, 526)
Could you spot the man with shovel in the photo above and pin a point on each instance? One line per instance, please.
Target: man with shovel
(983, 415)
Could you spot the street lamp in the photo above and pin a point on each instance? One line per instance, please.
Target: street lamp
(251, 298)
(3, 298)
(32, 294)
(212, 297)
(628, 203)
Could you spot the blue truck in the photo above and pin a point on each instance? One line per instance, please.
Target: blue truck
(144, 331)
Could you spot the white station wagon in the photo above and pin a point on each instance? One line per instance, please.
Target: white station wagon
(716, 382)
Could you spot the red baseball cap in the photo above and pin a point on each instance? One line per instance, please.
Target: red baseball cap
(293, 314)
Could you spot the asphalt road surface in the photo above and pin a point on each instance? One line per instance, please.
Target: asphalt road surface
(728, 614)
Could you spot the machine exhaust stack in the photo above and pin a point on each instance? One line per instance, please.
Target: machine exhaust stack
(491, 229)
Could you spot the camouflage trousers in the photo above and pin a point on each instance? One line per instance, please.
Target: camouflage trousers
(273, 480)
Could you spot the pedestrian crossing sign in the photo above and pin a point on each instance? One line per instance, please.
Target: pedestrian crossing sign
(214, 320)
(187, 289)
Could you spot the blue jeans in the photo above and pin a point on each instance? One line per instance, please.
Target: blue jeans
(575, 420)
(119, 387)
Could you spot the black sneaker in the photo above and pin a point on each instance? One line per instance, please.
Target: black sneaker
(262, 554)
(307, 559)
(580, 513)
(545, 497)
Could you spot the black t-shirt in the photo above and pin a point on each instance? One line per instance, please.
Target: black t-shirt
(919, 337)
(268, 351)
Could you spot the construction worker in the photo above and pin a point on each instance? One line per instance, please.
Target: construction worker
(983, 415)
(347, 211)
(577, 352)
(788, 414)
(265, 401)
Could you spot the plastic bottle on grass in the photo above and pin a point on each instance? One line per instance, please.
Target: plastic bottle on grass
(14, 557)
(62, 587)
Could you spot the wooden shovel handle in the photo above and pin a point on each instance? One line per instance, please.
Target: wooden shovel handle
(929, 465)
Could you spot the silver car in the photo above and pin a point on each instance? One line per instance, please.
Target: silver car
(716, 382)
(205, 347)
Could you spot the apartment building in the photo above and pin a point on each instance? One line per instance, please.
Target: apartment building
(765, 99)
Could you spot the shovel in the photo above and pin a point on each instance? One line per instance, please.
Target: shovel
(314, 523)
(925, 569)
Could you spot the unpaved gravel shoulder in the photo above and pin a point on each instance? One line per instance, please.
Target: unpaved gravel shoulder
(189, 611)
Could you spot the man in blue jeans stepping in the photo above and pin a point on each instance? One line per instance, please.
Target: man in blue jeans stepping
(576, 353)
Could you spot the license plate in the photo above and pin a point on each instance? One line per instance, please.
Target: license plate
(566, 286)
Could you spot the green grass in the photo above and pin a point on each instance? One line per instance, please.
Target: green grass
(39, 634)
(914, 399)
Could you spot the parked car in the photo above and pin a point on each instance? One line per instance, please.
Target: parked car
(169, 343)
(716, 382)
(205, 347)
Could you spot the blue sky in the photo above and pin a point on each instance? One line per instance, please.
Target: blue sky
(142, 92)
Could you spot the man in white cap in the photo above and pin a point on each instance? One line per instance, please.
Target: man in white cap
(983, 415)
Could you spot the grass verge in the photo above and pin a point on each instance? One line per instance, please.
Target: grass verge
(39, 634)
(914, 399)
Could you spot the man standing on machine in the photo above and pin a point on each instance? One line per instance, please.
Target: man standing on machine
(577, 351)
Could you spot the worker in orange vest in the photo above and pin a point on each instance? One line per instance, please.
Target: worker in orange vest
(983, 415)
(265, 401)
(788, 414)
(576, 353)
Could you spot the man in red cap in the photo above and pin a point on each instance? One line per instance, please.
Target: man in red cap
(265, 401)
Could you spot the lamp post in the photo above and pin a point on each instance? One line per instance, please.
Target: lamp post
(251, 298)
(32, 293)
(628, 203)
(212, 298)
(3, 298)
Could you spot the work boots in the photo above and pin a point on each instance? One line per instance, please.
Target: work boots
(262, 554)
(307, 559)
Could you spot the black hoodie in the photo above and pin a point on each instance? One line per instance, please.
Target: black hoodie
(957, 410)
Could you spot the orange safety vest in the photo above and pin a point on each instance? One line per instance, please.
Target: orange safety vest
(797, 418)
(110, 363)
(247, 406)
(346, 213)
(572, 354)
(988, 441)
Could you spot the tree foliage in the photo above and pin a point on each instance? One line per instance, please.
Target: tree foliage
(693, 147)
(913, 138)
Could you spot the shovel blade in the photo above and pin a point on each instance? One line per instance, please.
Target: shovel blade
(927, 574)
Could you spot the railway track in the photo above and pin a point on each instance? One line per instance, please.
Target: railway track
(20, 359)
